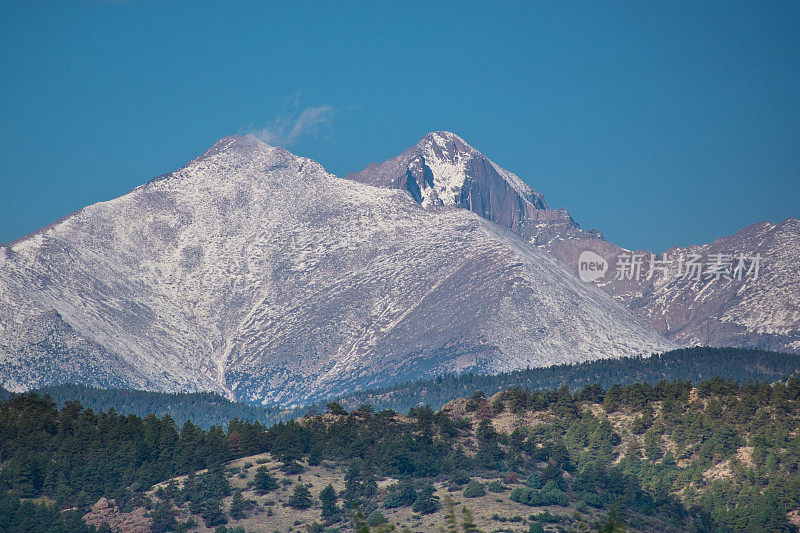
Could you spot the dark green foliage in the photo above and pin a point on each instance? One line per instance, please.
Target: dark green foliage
(328, 499)
(687, 364)
(203, 408)
(292, 468)
(205, 492)
(164, 518)
(536, 498)
(238, 506)
(477, 399)
(76, 455)
(335, 408)
(474, 489)
(534, 481)
(427, 502)
(211, 512)
(574, 457)
(400, 495)
(263, 481)
(496, 486)
(613, 523)
(460, 477)
(360, 481)
(375, 518)
(300, 498)
(26, 517)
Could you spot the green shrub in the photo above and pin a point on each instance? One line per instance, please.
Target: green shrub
(300, 498)
(496, 486)
(375, 518)
(474, 489)
(460, 477)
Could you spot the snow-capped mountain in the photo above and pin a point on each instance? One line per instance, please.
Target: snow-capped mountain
(255, 273)
(740, 290)
(442, 169)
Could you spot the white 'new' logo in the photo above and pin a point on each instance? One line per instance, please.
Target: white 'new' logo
(591, 266)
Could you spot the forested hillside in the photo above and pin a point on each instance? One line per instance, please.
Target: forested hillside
(717, 456)
(206, 409)
(203, 408)
(688, 364)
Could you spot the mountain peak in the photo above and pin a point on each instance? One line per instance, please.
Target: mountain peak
(442, 169)
(234, 144)
(443, 138)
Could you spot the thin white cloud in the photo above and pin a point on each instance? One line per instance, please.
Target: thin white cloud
(285, 131)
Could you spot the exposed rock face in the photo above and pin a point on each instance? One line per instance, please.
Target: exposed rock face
(751, 311)
(106, 512)
(253, 272)
(443, 170)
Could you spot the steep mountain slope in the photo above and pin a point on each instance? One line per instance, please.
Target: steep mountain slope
(443, 170)
(756, 313)
(255, 273)
(757, 307)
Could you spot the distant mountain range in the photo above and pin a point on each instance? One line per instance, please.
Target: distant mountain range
(254, 273)
(759, 308)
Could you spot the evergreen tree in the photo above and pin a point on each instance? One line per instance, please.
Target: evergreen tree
(328, 499)
(300, 498)
(427, 502)
(263, 481)
(237, 506)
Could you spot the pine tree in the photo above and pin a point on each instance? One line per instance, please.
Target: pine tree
(237, 506)
(328, 498)
(263, 482)
(426, 502)
(300, 498)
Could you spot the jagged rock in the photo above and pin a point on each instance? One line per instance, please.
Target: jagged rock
(101, 504)
(443, 170)
(106, 512)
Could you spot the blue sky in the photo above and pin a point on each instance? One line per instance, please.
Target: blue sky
(659, 123)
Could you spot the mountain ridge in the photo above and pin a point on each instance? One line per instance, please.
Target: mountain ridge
(724, 314)
(255, 273)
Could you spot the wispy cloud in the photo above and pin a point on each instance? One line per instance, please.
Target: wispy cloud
(285, 131)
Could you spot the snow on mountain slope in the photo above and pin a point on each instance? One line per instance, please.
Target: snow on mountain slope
(255, 273)
(757, 311)
(443, 170)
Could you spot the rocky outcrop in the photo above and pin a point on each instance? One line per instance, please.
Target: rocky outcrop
(693, 303)
(752, 308)
(443, 170)
(106, 512)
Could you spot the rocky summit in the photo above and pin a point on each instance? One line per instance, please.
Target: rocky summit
(749, 311)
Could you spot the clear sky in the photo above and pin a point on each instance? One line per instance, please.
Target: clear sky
(659, 123)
